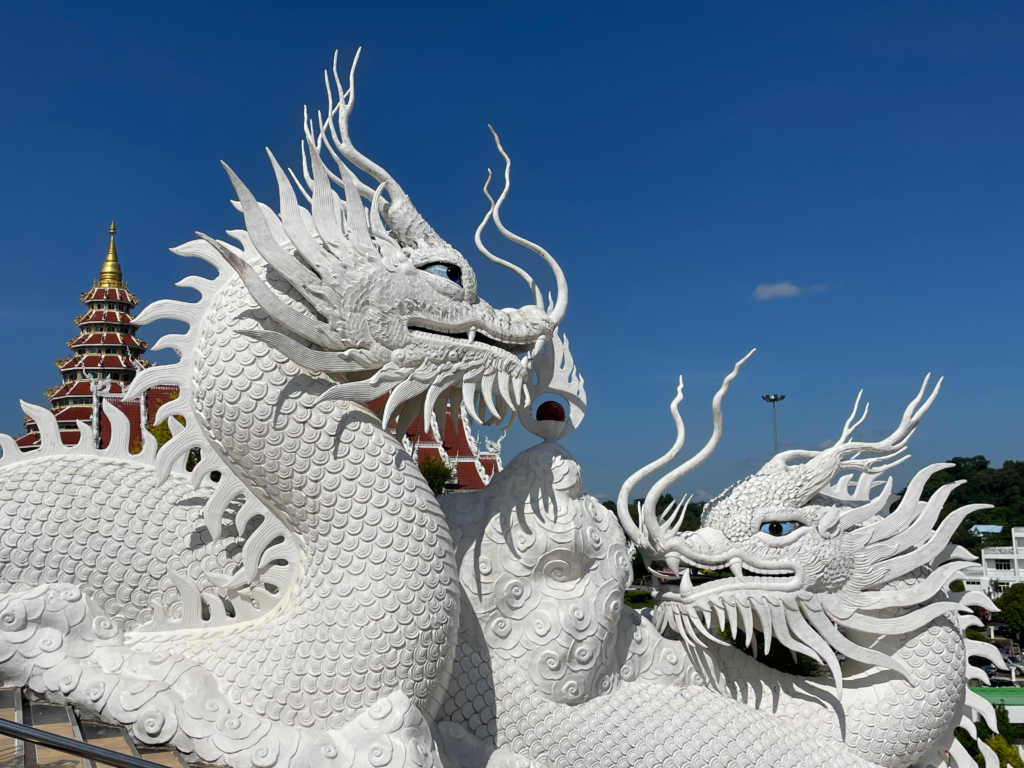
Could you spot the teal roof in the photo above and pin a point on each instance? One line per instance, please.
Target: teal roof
(1011, 697)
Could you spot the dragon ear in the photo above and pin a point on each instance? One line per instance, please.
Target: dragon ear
(829, 526)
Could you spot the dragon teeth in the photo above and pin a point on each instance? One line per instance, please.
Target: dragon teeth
(503, 388)
(685, 583)
(719, 615)
(469, 400)
(730, 615)
(748, 620)
(487, 390)
(516, 385)
(472, 334)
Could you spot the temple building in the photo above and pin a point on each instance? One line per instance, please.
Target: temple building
(472, 468)
(105, 356)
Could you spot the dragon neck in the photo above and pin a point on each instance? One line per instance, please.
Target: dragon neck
(369, 536)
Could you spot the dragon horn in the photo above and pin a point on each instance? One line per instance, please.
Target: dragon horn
(405, 222)
(822, 466)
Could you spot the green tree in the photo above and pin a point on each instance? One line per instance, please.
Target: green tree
(1001, 743)
(1011, 606)
(162, 431)
(1002, 488)
(437, 474)
(1006, 752)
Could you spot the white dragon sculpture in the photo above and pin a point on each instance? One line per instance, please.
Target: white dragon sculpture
(316, 606)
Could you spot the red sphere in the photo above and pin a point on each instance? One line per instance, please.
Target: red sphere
(550, 410)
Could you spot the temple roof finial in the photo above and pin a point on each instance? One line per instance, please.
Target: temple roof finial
(110, 272)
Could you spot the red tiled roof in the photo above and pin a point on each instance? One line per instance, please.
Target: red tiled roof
(76, 389)
(467, 477)
(109, 339)
(105, 316)
(110, 294)
(73, 412)
(109, 362)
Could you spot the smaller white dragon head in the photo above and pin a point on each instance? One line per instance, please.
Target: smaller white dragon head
(807, 557)
(387, 305)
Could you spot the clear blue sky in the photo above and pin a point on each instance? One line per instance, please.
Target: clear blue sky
(674, 157)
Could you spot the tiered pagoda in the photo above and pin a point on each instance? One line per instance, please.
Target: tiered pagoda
(105, 356)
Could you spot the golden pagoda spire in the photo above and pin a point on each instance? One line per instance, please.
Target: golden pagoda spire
(110, 272)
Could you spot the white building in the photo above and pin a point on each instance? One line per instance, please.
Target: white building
(999, 566)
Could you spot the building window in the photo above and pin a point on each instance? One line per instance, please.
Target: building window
(973, 583)
(1004, 565)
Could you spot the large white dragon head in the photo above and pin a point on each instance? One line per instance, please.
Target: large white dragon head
(808, 557)
(389, 306)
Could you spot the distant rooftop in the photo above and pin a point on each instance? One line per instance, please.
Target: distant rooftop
(997, 551)
(1010, 697)
(985, 529)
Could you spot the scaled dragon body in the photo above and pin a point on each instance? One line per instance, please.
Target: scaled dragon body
(317, 606)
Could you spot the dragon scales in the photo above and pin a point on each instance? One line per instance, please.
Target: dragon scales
(316, 605)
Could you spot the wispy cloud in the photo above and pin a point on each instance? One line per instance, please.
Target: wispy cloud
(823, 445)
(785, 290)
(754, 463)
(702, 496)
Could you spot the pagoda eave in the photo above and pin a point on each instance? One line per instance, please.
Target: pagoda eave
(105, 316)
(110, 294)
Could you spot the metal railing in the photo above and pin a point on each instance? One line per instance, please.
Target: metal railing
(79, 745)
(73, 747)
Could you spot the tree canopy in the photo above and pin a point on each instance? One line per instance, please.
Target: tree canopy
(1011, 607)
(436, 473)
(1002, 488)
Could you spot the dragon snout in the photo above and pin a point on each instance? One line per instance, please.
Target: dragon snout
(705, 541)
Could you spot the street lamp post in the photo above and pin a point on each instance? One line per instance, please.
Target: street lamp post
(773, 399)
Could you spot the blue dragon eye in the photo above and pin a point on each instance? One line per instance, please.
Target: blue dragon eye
(449, 271)
(776, 528)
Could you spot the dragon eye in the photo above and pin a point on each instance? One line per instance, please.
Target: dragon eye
(776, 528)
(449, 271)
